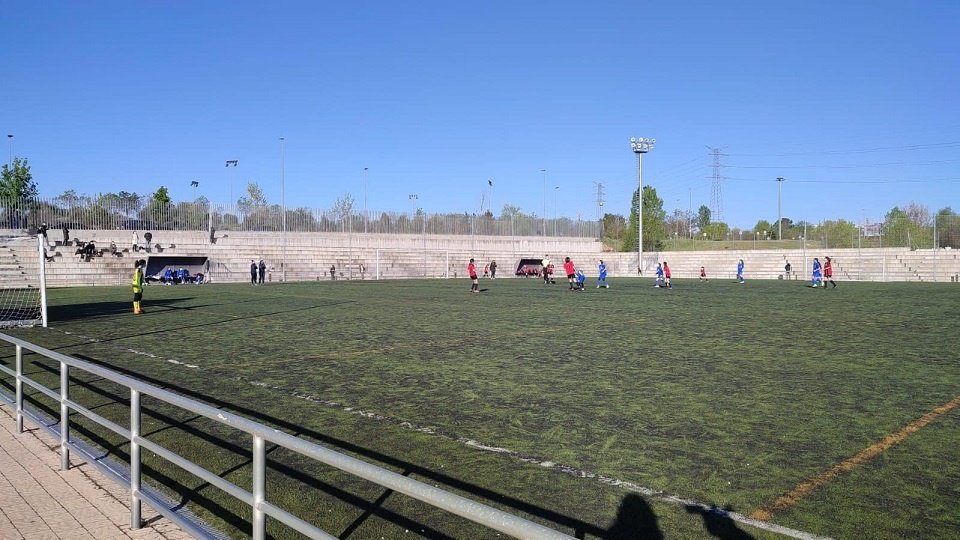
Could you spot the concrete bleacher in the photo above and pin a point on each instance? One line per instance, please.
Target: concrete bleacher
(308, 257)
(885, 264)
(19, 262)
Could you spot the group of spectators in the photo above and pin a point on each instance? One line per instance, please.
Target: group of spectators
(87, 250)
(147, 239)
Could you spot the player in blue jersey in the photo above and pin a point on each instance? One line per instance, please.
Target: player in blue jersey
(817, 279)
(602, 277)
(740, 271)
(659, 282)
(580, 279)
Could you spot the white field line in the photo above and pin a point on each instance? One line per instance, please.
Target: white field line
(571, 471)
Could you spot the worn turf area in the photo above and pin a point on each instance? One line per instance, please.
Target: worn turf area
(713, 392)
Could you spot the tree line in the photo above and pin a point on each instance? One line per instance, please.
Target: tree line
(912, 225)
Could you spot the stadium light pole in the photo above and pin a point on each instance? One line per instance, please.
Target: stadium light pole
(544, 219)
(366, 214)
(640, 146)
(232, 162)
(10, 139)
(556, 189)
(194, 185)
(283, 207)
(413, 208)
(779, 213)
(600, 218)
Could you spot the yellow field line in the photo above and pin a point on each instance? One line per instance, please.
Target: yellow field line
(804, 488)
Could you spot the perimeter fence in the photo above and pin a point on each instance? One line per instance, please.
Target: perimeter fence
(113, 212)
(131, 213)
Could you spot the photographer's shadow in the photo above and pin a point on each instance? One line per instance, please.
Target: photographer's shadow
(635, 521)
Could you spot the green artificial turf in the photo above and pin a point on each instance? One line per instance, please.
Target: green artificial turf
(714, 392)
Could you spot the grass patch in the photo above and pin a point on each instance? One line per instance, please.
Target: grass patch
(717, 392)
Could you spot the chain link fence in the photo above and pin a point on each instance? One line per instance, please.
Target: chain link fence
(132, 213)
(138, 213)
(939, 231)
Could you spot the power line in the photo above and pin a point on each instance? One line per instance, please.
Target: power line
(684, 164)
(876, 181)
(861, 151)
(895, 163)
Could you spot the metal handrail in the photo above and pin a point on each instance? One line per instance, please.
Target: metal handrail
(261, 508)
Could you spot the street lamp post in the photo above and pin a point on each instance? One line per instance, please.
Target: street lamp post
(194, 185)
(283, 208)
(779, 213)
(640, 147)
(233, 163)
(10, 140)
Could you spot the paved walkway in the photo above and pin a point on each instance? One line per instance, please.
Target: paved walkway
(38, 501)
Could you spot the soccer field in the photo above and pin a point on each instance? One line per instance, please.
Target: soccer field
(830, 412)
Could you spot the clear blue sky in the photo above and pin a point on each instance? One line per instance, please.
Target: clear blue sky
(857, 104)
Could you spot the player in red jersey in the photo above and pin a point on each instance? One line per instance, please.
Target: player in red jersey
(828, 273)
(666, 275)
(475, 283)
(570, 270)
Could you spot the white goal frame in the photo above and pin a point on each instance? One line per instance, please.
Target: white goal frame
(34, 290)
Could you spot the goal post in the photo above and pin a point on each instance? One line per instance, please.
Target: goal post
(23, 284)
(410, 264)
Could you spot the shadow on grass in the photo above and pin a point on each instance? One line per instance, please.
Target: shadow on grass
(635, 521)
(718, 522)
(89, 310)
(369, 508)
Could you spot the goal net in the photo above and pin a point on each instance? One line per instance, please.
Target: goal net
(23, 291)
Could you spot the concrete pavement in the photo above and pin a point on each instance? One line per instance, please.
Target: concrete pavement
(39, 501)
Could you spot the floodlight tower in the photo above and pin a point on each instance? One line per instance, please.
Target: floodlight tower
(232, 163)
(640, 146)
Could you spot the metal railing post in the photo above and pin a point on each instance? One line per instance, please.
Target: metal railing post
(259, 488)
(19, 389)
(64, 416)
(135, 517)
(260, 507)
